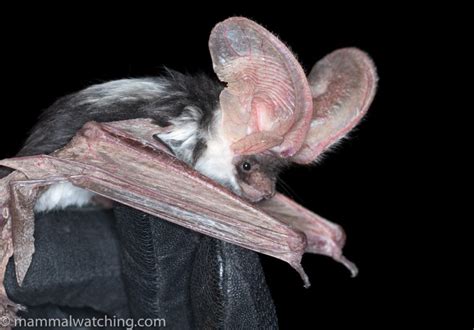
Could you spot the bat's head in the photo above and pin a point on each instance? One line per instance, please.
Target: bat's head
(251, 176)
(256, 175)
(271, 113)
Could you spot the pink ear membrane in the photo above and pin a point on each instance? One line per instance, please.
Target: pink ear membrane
(267, 100)
(256, 143)
(343, 85)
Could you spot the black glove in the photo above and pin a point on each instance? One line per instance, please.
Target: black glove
(129, 264)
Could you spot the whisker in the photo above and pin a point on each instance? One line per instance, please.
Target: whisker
(285, 187)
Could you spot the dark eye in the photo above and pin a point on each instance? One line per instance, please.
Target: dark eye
(246, 166)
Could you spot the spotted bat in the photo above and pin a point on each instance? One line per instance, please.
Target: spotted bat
(202, 153)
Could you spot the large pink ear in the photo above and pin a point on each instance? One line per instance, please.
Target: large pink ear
(267, 103)
(343, 85)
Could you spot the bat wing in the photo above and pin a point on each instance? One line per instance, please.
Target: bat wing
(123, 162)
(343, 86)
(322, 236)
(15, 203)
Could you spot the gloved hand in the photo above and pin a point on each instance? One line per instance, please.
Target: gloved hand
(91, 262)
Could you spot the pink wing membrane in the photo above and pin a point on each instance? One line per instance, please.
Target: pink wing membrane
(322, 236)
(267, 103)
(343, 85)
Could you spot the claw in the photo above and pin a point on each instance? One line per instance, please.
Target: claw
(349, 265)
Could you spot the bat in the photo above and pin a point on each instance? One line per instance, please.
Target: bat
(154, 143)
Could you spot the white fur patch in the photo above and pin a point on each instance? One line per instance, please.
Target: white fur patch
(217, 160)
(121, 90)
(61, 195)
(183, 137)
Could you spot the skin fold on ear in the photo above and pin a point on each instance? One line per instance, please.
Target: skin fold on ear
(267, 104)
(343, 85)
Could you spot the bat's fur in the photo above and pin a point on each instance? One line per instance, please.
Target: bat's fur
(190, 103)
(162, 99)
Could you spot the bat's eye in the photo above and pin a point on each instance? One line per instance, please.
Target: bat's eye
(246, 166)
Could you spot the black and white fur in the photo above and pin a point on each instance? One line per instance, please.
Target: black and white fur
(190, 103)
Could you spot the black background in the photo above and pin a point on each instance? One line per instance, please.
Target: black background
(360, 185)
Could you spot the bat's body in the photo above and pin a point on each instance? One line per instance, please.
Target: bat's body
(189, 103)
(162, 99)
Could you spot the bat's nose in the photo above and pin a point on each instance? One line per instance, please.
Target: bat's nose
(256, 195)
(258, 187)
(269, 193)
